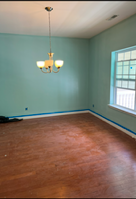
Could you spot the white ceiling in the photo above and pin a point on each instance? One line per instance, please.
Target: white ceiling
(81, 19)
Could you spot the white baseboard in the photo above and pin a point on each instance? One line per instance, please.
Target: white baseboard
(52, 114)
(116, 126)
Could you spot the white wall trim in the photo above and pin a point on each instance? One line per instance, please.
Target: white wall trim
(116, 126)
(124, 110)
(50, 115)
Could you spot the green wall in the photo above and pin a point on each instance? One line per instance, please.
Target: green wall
(120, 36)
(22, 84)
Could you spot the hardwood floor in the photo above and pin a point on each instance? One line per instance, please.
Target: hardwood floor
(73, 156)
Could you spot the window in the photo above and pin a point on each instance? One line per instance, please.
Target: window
(125, 79)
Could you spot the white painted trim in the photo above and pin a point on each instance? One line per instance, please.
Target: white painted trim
(125, 110)
(50, 115)
(116, 126)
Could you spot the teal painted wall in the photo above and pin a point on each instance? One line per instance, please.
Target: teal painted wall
(22, 84)
(120, 36)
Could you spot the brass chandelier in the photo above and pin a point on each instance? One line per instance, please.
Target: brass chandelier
(48, 64)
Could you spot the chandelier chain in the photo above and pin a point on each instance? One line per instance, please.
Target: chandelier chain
(49, 31)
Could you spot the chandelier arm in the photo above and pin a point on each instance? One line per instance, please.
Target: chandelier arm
(44, 71)
(56, 71)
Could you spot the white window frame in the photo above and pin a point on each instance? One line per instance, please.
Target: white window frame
(115, 105)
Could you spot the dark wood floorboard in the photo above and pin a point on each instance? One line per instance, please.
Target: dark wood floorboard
(72, 156)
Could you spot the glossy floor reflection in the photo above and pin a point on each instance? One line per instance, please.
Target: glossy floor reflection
(73, 156)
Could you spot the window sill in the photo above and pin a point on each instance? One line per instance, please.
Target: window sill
(133, 113)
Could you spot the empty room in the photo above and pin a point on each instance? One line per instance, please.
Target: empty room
(67, 99)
